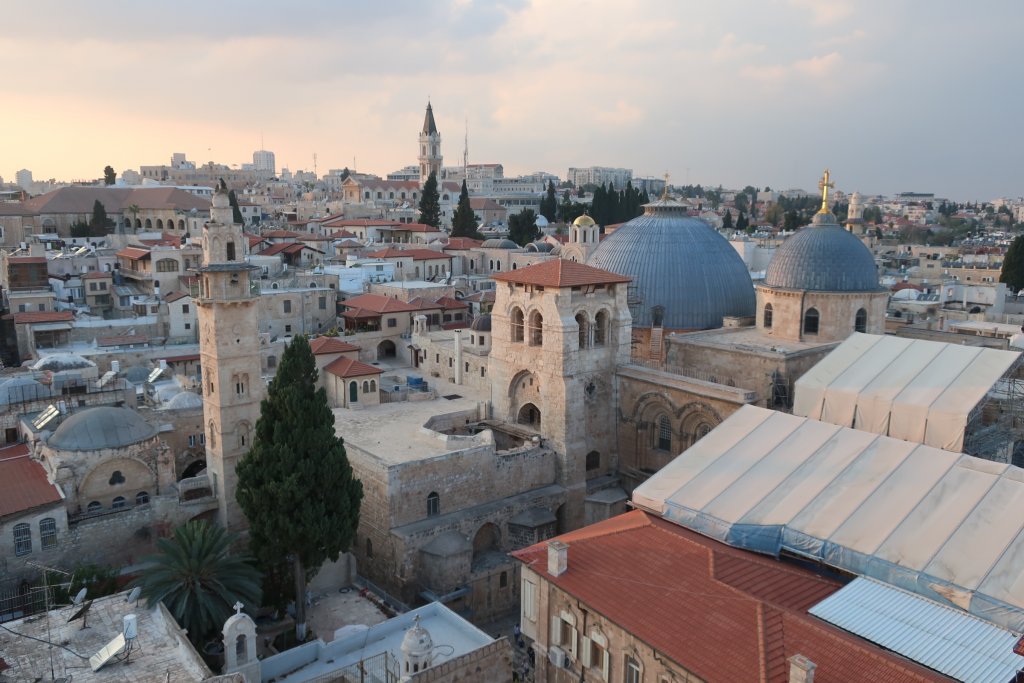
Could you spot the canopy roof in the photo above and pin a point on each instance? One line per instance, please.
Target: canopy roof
(936, 523)
(913, 389)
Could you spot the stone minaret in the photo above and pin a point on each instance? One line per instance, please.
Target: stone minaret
(230, 353)
(430, 148)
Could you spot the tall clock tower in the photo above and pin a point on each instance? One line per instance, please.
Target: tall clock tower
(230, 353)
(430, 148)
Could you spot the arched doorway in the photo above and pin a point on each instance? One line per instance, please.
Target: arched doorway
(529, 415)
(385, 350)
(194, 470)
(486, 542)
(353, 392)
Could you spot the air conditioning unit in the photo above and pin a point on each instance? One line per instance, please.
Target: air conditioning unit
(558, 657)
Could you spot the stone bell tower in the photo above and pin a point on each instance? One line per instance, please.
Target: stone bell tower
(229, 349)
(430, 148)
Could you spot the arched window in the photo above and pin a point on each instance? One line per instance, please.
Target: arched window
(48, 533)
(366, 387)
(584, 333)
(517, 324)
(241, 656)
(142, 498)
(271, 361)
(166, 265)
(433, 504)
(22, 539)
(536, 329)
(860, 321)
(664, 434)
(353, 392)
(373, 385)
(593, 461)
(767, 316)
(94, 506)
(118, 503)
(369, 548)
(600, 328)
(811, 321)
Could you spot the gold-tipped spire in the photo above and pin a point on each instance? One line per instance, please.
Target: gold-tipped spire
(824, 185)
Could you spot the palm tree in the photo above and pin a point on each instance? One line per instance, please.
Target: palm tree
(199, 579)
(133, 209)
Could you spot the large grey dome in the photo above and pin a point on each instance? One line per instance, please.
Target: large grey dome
(497, 243)
(62, 361)
(680, 264)
(823, 257)
(102, 427)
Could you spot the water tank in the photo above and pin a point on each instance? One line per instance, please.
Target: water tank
(115, 366)
(131, 627)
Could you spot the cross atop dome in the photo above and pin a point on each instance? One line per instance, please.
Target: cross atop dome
(824, 185)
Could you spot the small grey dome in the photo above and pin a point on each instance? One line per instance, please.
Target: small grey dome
(682, 269)
(136, 374)
(62, 361)
(102, 427)
(17, 389)
(495, 243)
(482, 324)
(542, 247)
(417, 642)
(823, 257)
(186, 399)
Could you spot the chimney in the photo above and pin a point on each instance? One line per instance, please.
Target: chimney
(801, 669)
(558, 558)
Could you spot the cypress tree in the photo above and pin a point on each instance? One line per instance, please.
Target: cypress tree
(522, 227)
(295, 485)
(430, 202)
(1013, 265)
(464, 220)
(549, 205)
(727, 220)
(236, 213)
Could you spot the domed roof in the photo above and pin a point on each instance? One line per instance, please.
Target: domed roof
(482, 324)
(541, 247)
(583, 221)
(679, 264)
(62, 361)
(136, 374)
(417, 641)
(823, 257)
(186, 399)
(18, 389)
(102, 427)
(495, 243)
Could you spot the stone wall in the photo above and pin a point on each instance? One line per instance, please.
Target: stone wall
(491, 663)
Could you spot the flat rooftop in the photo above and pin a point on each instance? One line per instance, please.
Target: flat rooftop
(746, 339)
(394, 432)
(162, 651)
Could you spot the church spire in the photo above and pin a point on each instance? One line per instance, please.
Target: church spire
(429, 127)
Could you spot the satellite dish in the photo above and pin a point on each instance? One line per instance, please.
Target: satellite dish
(81, 596)
(134, 595)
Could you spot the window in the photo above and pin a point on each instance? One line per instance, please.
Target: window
(287, 306)
(188, 326)
(860, 321)
(767, 316)
(231, 251)
(600, 328)
(563, 632)
(503, 580)
(536, 329)
(118, 503)
(191, 440)
(184, 309)
(288, 329)
(94, 506)
(517, 325)
(322, 303)
(529, 600)
(116, 478)
(142, 498)
(241, 655)
(392, 322)
(271, 361)
(433, 504)
(634, 674)
(811, 321)
(369, 548)
(594, 654)
(366, 387)
(584, 332)
(593, 461)
(22, 539)
(166, 265)
(664, 434)
(48, 533)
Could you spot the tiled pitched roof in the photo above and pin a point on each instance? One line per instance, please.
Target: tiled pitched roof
(43, 317)
(561, 273)
(182, 359)
(26, 259)
(378, 304)
(462, 243)
(414, 254)
(97, 275)
(171, 297)
(281, 234)
(286, 248)
(254, 240)
(134, 253)
(347, 367)
(327, 345)
(724, 614)
(23, 482)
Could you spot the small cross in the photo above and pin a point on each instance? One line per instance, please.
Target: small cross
(238, 607)
(824, 185)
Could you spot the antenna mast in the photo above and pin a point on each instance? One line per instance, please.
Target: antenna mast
(465, 153)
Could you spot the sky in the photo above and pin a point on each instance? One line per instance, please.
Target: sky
(891, 95)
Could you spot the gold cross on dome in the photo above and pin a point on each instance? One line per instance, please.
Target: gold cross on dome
(824, 185)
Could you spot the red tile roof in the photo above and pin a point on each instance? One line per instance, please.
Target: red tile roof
(327, 345)
(254, 240)
(347, 367)
(723, 613)
(286, 248)
(359, 222)
(449, 303)
(560, 273)
(23, 482)
(182, 359)
(415, 227)
(134, 253)
(26, 259)
(340, 234)
(378, 304)
(97, 275)
(462, 243)
(171, 297)
(122, 340)
(414, 254)
(282, 234)
(43, 317)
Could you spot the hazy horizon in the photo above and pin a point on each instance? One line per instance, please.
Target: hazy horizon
(892, 96)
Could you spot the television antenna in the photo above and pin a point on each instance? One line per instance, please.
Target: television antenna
(46, 600)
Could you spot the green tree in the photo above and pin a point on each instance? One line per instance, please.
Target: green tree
(464, 220)
(295, 485)
(236, 213)
(774, 214)
(742, 223)
(549, 205)
(522, 227)
(727, 220)
(109, 175)
(198, 578)
(1013, 265)
(99, 216)
(133, 209)
(430, 202)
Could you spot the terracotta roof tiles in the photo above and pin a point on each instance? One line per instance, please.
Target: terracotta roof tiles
(328, 345)
(348, 367)
(30, 317)
(134, 253)
(23, 482)
(561, 273)
(378, 304)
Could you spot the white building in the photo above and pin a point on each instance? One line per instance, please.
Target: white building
(263, 160)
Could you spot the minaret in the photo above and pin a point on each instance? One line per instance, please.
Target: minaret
(229, 349)
(430, 148)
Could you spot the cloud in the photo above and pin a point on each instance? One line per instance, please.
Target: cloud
(622, 114)
(731, 49)
(820, 67)
(824, 12)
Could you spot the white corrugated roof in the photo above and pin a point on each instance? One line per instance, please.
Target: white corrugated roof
(913, 389)
(942, 638)
(940, 524)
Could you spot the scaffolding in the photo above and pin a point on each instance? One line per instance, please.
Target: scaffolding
(995, 426)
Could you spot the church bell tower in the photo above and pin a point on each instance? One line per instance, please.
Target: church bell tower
(229, 349)
(430, 148)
